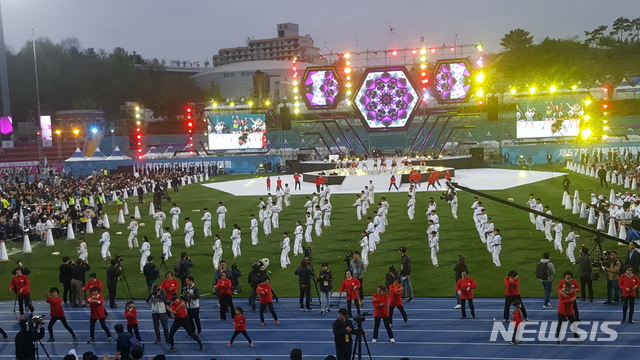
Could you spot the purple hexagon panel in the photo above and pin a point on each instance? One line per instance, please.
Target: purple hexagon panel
(386, 99)
(320, 88)
(451, 81)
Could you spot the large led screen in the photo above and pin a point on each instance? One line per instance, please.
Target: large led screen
(386, 99)
(245, 131)
(451, 81)
(45, 131)
(320, 88)
(553, 116)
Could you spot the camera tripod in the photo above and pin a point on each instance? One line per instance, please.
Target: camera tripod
(124, 277)
(360, 338)
(35, 347)
(163, 265)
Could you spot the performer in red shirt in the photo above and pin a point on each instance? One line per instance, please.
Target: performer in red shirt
(628, 283)
(512, 293)
(21, 286)
(395, 300)
(93, 281)
(278, 184)
(266, 300)
(268, 183)
(566, 298)
(170, 285)
(392, 183)
(568, 277)
(224, 288)
(56, 312)
(517, 320)
(240, 326)
(179, 310)
(319, 180)
(380, 301)
(465, 287)
(350, 285)
(131, 314)
(96, 305)
(296, 179)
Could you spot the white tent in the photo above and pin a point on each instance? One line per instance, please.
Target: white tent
(77, 156)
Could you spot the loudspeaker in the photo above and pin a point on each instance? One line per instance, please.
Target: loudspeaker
(477, 152)
(285, 118)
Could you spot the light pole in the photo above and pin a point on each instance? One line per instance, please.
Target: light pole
(4, 81)
(76, 132)
(59, 133)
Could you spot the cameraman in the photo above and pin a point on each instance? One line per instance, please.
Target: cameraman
(157, 300)
(113, 272)
(305, 274)
(612, 266)
(184, 269)
(66, 273)
(255, 277)
(151, 273)
(342, 330)
(191, 296)
(358, 269)
(25, 338)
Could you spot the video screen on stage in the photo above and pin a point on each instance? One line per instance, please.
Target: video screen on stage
(452, 81)
(6, 128)
(386, 100)
(320, 88)
(553, 116)
(246, 131)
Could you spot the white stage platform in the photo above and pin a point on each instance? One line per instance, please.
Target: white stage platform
(478, 179)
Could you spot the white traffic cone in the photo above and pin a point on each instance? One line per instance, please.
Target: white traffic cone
(104, 199)
(567, 204)
(565, 195)
(612, 196)
(89, 229)
(620, 180)
(576, 195)
(608, 177)
(600, 224)
(627, 183)
(583, 210)
(634, 184)
(592, 216)
(623, 233)
(126, 209)
(576, 206)
(182, 181)
(169, 184)
(26, 245)
(125, 193)
(152, 210)
(612, 227)
(113, 195)
(201, 178)
(206, 176)
(105, 221)
(594, 173)
(135, 191)
(4, 255)
(136, 213)
(50, 241)
(120, 217)
(70, 234)
(92, 201)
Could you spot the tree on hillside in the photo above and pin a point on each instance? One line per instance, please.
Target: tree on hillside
(620, 27)
(516, 39)
(594, 36)
(635, 23)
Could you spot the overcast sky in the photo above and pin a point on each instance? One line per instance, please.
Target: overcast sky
(196, 29)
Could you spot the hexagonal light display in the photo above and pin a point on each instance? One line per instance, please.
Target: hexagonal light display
(320, 88)
(452, 81)
(386, 99)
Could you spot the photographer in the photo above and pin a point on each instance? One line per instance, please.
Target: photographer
(184, 269)
(151, 273)
(612, 266)
(77, 281)
(66, 273)
(305, 274)
(358, 269)
(30, 331)
(191, 296)
(325, 278)
(157, 300)
(255, 277)
(342, 331)
(113, 272)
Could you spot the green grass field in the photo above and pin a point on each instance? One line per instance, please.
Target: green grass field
(522, 245)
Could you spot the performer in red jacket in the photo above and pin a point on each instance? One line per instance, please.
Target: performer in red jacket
(21, 286)
(465, 287)
(568, 277)
(628, 283)
(380, 301)
(266, 300)
(96, 305)
(512, 293)
(395, 300)
(56, 312)
(350, 285)
(566, 298)
(240, 326)
(224, 287)
(131, 314)
(517, 320)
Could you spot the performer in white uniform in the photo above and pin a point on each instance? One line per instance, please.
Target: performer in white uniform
(166, 243)
(571, 241)
(364, 248)
(175, 217)
(222, 213)
(145, 251)
(317, 216)
(236, 240)
(327, 207)
(308, 229)
(132, 240)
(411, 207)
(83, 253)
(159, 217)
(497, 247)
(207, 222)
(435, 247)
(297, 240)
(217, 251)
(188, 233)
(285, 244)
(358, 206)
(254, 230)
(105, 239)
(287, 195)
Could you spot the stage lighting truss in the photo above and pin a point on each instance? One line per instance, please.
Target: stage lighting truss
(386, 99)
(452, 81)
(320, 88)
